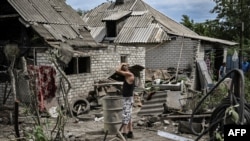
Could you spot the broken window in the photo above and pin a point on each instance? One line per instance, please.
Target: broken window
(78, 65)
(124, 58)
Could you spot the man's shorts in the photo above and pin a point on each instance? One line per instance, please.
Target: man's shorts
(127, 109)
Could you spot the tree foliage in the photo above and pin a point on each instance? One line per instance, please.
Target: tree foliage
(231, 23)
(233, 16)
(189, 23)
(81, 12)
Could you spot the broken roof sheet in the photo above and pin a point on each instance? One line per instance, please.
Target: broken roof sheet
(151, 34)
(54, 20)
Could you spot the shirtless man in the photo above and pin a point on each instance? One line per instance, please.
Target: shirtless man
(127, 93)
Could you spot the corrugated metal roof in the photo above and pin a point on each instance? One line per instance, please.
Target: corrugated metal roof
(37, 11)
(54, 20)
(67, 12)
(65, 30)
(138, 13)
(140, 27)
(43, 32)
(128, 5)
(95, 16)
(54, 33)
(170, 24)
(27, 11)
(47, 11)
(116, 16)
(140, 23)
(98, 33)
(151, 34)
(154, 106)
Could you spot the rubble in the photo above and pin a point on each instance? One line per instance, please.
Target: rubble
(159, 109)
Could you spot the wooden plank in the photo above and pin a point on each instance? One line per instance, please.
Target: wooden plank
(185, 116)
(173, 137)
(107, 84)
(9, 16)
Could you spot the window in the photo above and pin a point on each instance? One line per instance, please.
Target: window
(124, 59)
(111, 28)
(78, 65)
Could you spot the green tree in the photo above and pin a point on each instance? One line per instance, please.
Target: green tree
(81, 12)
(207, 28)
(231, 14)
(186, 21)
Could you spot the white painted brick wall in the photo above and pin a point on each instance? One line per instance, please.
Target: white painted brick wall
(168, 54)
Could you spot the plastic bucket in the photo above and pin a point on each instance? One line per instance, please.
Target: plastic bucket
(112, 113)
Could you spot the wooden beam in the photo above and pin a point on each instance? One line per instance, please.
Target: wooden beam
(9, 16)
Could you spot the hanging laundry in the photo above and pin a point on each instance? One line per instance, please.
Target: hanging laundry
(42, 82)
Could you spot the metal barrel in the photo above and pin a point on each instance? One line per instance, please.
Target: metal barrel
(112, 113)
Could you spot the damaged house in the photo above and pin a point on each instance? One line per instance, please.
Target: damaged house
(165, 43)
(48, 50)
(35, 28)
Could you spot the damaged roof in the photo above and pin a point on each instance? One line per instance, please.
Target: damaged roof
(142, 23)
(55, 21)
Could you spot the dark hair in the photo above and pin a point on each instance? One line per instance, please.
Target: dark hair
(122, 68)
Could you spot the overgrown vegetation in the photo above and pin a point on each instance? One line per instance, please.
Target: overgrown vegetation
(247, 88)
(38, 134)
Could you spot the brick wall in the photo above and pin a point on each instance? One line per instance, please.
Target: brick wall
(103, 63)
(168, 54)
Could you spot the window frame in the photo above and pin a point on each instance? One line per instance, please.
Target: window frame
(77, 65)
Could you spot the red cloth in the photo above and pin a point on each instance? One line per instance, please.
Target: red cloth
(42, 82)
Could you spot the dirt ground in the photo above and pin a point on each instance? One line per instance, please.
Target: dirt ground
(88, 129)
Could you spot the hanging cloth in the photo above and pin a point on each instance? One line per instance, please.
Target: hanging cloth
(235, 56)
(42, 81)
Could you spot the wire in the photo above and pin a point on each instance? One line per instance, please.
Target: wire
(235, 96)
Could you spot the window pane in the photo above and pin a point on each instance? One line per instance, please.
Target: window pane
(84, 64)
(78, 65)
(123, 59)
(71, 68)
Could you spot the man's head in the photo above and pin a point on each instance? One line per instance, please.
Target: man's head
(124, 67)
(245, 59)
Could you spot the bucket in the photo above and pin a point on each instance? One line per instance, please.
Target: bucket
(112, 113)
